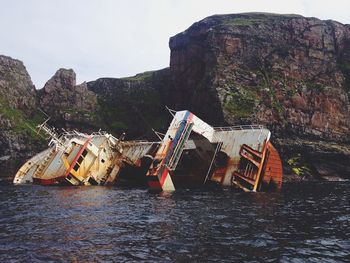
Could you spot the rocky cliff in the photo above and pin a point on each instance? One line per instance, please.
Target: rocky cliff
(18, 103)
(287, 72)
(134, 105)
(68, 104)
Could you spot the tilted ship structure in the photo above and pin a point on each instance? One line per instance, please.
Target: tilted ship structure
(191, 154)
(74, 158)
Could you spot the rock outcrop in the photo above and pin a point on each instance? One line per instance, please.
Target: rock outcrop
(134, 105)
(69, 105)
(18, 103)
(16, 87)
(287, 72)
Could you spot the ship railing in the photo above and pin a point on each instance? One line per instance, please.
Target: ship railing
(218, 136)
(71, 134)
(138, 142)
(76, 133)
(239, 127)
(101, 133)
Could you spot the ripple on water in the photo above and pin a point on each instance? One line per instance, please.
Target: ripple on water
(303, 223)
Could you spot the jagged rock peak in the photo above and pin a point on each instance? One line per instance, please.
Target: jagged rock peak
(16, 87)
(63, 79)
(68, 103)
(8, 61)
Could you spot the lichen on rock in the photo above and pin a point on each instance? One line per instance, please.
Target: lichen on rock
(288, 72)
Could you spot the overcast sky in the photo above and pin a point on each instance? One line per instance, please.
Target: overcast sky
(115, 38)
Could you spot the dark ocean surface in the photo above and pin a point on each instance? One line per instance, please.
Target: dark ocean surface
(306, 222)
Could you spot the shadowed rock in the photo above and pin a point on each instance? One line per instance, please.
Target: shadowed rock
(288, 72)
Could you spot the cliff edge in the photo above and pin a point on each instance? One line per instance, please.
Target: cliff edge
(288, 72)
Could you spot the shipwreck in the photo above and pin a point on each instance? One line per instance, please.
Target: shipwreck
(190, 154)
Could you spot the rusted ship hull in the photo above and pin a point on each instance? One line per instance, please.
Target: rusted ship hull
(194, 153)
(191, 154)
(79, 159)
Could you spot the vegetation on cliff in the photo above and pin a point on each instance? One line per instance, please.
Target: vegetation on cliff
(287, 72)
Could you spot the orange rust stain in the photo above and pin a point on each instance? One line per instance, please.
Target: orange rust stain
(233, 161)
(219, 174)
(273, 168)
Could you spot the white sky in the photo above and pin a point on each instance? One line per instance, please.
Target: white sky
(115, 38)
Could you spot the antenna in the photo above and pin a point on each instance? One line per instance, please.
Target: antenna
(145, 121)
(34, 130)
(172, 112)
(40, 126)
(49, 131)
(158, 134)
(44, 113)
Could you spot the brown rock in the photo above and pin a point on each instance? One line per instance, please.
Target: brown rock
(297, 60)
(68, 103)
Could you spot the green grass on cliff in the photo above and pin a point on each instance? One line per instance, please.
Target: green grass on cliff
(299, 166)
(241, 21)
(345, 68)
(254, 19)
(275, 103)
(132, 110)
(140, 76)
(315, 86)
(240, 104)
(20, 124)
(111, 115)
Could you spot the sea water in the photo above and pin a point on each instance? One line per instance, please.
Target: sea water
(306, 222)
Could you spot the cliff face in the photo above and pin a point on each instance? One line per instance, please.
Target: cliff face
(16, 86)
(134, 105)
(18, 103)
(68, 104)
(288, 72)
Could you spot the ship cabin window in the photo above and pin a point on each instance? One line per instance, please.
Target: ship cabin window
(76, 167)
(80, 160)
(92, 181)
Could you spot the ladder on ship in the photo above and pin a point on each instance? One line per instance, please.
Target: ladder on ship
(248, 175)
(43, 164)
(175, 158)
(217, 149)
